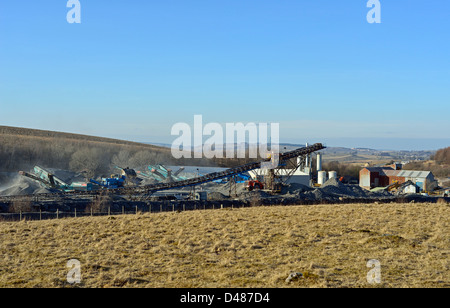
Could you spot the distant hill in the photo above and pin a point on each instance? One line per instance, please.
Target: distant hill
(23, 148)
(343, 154)
(28, 132)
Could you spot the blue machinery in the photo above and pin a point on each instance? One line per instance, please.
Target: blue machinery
(110, 183)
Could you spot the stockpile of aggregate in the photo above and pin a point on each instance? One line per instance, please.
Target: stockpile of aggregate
(224, 189)
(334, 188)
(318, 195)
(148, 181)
(67, 176)
(294, 189)
(333, 191)
(216, 196)
(20, 185)
(254, 195)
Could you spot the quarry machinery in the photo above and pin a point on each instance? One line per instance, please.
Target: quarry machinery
(158, 172)
(49, 180)
(254, 184)
(148, 190)
(161, 173)
(47, 183)
(131, 177)
(393, 186)
(110, 183)
(176, 173)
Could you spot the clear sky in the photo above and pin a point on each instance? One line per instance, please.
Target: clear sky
(132, 69)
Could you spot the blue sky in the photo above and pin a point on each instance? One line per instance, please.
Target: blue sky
(132, 69)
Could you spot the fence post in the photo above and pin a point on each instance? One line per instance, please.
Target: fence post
(136, 209)
(75, 212)
(40, 214)
(160, 207)
(92, 212)
(173, 207)
(221, 206)
(109, 210)
(57, 213)
(123, 210)
(184, 207)
(20, 215)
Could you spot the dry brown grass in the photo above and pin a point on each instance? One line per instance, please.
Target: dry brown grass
(250, 247)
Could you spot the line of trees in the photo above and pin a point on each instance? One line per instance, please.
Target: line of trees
(24, 152)
(342, 169)
(442, 156)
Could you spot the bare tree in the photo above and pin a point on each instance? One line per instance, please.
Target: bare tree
(122, 159)
(90, 160)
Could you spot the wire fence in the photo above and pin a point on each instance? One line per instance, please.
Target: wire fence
(181, 206)
(116, 210)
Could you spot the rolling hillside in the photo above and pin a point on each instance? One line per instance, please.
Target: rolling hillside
(255, 247)
(52, 135)
(22, 148)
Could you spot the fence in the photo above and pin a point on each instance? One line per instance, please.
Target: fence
(124, 210)
(181, 206)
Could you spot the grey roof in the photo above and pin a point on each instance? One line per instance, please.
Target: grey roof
(400, 173)
(414, 174)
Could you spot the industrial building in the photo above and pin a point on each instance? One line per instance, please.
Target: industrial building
(372, 177)
(298, 172)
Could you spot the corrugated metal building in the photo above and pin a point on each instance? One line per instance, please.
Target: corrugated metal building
(372, 177)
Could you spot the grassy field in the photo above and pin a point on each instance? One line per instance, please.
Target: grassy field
(250, 247)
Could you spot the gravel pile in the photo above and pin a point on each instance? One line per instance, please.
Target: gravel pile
(318, 195)
(67, 176)
(216, 196)
(333, 187)
(254, 195)
(225, 188)
(19, 186)
(332, 190)
(295, 189)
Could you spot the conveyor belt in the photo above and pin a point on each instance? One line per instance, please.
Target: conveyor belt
(150, 189)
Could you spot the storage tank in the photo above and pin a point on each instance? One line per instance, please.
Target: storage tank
(322, 177)
(319, 161)
(332, 174)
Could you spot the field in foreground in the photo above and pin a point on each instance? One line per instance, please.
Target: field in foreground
(250, 247)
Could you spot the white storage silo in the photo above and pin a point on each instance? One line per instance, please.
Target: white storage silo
(319, 161)
(332, 174)
(321, 177)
